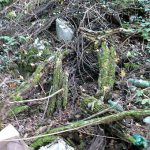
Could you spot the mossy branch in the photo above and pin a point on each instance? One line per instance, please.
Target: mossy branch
(99, 109)
(83, 123)
(102, 120)
(23, 91)
(60, 80)
(107, 66)
(98, 35)
(40, 142)
(57, 84)
(65, 87)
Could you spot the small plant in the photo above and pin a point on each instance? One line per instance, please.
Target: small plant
(142, 98)
(18, 109)
(4, 1)
(139, 93)
(8, 50)
(144, 27)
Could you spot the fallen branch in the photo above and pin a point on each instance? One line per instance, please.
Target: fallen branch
(41, 10)
(27, 88)
(99, 113)
(82, 123)
(58, 78)
(98, 35)
(38, 99)
(103, 120)
(95, 108)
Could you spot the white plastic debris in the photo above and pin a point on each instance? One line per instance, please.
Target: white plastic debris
(64, 30)
(147, 120)
(132, 18)
(39, 44)
(59, 144)
(8, 142)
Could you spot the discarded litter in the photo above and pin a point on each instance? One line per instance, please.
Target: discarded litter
(140, 141)
(115, 105)
(59, 144)
(39, 44)
(63, 30)
(147, 121)
(8, 139)
(139, 83)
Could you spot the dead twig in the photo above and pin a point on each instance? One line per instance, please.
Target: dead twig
(98, 35)
(99, 113)
(38, 99)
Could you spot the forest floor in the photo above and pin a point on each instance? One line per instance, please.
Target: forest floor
(28, 38)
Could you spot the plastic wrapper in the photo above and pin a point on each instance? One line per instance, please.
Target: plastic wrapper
(8, 139)
(64, 30)
(59, 144)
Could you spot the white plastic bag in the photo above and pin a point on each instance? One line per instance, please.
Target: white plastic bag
(59, 144)
(63, 30)
(10, 133)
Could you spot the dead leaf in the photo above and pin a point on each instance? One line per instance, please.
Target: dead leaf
(122, 73)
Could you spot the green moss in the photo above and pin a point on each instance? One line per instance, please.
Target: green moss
(57, 101)
(103, 59)
(27, 58)
(82, 145)
(37, 74)
(17, 98)
(46, 53)
(30, 59)
(112, 68)
(18, 109)
(4, 3)
(106, 61)
(65, 87)
(131, 66)
(92, 105)
(42, 141)
(101, 120)
(25, 86)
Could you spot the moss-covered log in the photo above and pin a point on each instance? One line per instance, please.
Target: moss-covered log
(95, 108)
(57, 84)
(65, 88)
(106, 61)
(102, 120)
(60, 80)
(98, 35)
(91, 105)
(25, 90)
(42, 141)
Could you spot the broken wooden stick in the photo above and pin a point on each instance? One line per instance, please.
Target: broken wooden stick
(38, 99)
(102, 120)
(98, 35)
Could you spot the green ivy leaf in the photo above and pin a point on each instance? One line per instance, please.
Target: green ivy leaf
(139, 93)
(145, 101)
